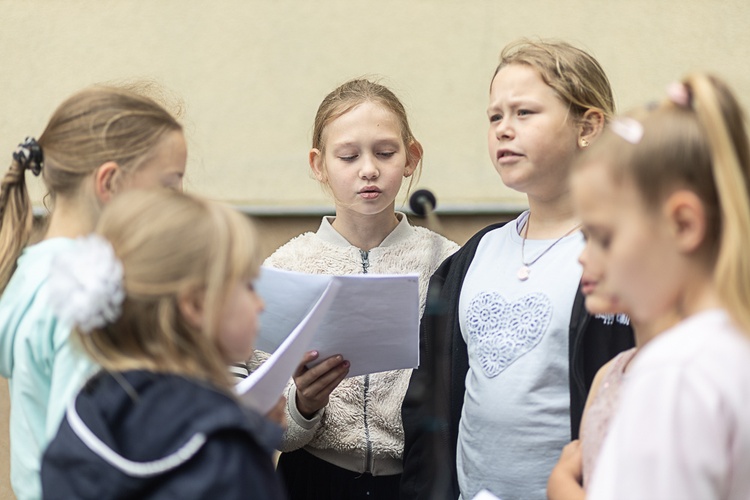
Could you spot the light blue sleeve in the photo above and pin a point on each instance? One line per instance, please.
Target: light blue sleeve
(70, 370)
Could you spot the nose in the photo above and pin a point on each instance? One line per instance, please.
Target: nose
(584, 255)
(368, 169)
(504, 129)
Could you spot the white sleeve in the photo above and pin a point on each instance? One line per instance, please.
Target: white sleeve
(669, 439)
(300, 430)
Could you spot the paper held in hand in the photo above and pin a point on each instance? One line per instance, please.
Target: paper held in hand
(262, 388)
(373, 323)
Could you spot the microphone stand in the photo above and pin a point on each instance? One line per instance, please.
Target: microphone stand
(436, 425)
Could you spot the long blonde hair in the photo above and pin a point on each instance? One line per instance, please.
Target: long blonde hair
(171, 243)
(93, 126)
(701, 145)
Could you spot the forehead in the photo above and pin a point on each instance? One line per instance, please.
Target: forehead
(367, 116)
(518, 81)
(599, 196)
(170, 153)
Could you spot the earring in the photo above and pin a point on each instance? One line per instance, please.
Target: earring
(584, 143)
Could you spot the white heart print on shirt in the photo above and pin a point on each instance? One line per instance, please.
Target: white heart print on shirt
(500, 332)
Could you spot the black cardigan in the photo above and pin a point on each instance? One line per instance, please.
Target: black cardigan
(432, 407)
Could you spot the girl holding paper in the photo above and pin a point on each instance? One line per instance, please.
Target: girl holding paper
(345, 437)
(162, 316)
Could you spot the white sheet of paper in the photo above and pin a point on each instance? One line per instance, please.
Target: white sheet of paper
(374, 322)
(262, 388)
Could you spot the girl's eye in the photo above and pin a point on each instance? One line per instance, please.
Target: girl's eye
(524, 112)
(495, 118)
(604, 242)
(387, 154)
(348, 157)
(250, 285)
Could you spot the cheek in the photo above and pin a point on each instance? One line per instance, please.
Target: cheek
(632, 272)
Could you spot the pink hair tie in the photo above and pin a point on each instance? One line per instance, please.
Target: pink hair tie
(679, 94)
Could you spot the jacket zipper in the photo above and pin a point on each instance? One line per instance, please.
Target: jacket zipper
(365, 254)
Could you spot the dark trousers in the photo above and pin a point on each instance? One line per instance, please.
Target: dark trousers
(309, 478)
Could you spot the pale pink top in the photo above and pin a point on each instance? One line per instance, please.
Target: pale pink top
(682, 427)
(599, 413)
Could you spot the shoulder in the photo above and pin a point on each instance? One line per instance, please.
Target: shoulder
(445, 246)
(459, 261)
(296, 252)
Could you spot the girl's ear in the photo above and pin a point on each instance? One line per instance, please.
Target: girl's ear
(591, 125)
(315, 157)
(687, 217)
(106, 179)
(414, 154)
(190, 305)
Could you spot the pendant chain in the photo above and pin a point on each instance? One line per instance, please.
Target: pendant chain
(524, 271)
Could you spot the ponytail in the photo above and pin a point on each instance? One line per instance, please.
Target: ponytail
(722, 122)
(16, 216)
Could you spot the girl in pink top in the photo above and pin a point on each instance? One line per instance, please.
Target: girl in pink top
(674, 243)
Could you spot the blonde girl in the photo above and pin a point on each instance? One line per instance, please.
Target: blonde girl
(345, 437)
(571, 476)
(677, 245)
(99, 142)
(167, 302)
(512, 358)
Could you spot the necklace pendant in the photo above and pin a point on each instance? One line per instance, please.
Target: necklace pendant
(523, 273)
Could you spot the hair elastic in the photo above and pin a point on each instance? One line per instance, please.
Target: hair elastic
(29, 155)
(86, 284)
(628, 128)
(679, 94)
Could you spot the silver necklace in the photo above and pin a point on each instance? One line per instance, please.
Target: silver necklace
(524, 270)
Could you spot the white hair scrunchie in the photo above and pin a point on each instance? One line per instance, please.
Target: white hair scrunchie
(86, 284)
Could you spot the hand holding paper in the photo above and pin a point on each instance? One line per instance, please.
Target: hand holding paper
(315, 384)
(261, 390)
(373, 324)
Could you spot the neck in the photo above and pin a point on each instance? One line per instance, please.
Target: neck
(365, 231)
(550, 218)
(71, 218)
(645, 332)
(699, 295)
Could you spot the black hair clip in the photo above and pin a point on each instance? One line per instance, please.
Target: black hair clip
(29, 155)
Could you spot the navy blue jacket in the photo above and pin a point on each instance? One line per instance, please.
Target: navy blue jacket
(144, 435)
(432, 407)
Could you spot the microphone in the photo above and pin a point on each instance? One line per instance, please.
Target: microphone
(423, 202)
(427, 398)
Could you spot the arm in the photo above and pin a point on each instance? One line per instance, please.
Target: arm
(229, 466)
(565, 481)
(69, 371)
(307, 397)
(595, 384)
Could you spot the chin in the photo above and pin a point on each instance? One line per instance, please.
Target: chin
(511, 178)
(597, 305)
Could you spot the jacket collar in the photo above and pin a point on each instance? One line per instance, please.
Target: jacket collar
(401, 233)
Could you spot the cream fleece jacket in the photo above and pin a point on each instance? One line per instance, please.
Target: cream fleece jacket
(360, 428)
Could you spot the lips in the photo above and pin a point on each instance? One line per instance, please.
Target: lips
(507, 155)
(588, 286)
(369, 192)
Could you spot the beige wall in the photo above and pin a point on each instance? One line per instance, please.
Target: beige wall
(251, 74)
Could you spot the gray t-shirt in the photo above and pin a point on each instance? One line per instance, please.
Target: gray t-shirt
(516, 414)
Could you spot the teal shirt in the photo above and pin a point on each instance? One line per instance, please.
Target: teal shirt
(44, 370)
